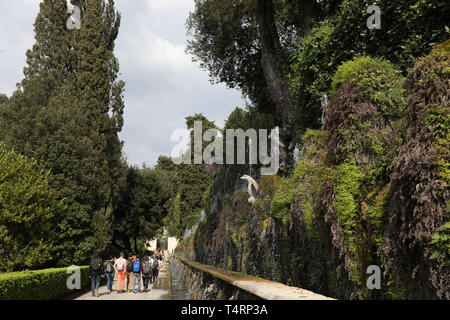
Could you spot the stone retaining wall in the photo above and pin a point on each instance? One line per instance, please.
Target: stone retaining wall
(205, 282)
(204, 286)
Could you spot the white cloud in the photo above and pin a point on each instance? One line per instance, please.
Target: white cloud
(151, 51)
(162, 5)
(16, 36)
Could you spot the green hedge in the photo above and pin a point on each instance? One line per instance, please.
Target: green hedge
(44, 284)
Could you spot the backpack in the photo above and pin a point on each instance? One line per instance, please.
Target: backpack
(109, 267)
(130, 265)
(95, 264)
(146, 268)
(120, 264)
(155, 264)
(137, 266)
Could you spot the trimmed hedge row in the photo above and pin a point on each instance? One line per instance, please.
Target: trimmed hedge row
(44, 284)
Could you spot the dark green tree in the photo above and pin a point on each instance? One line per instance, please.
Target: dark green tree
(192, 179)
(229, 39)
(3, 99)
(67, 112)
(29, 214)
(144, 203)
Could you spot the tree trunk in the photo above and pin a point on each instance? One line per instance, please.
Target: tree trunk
(308, 14)
(135, 246)
(270, 51)
(129, 246)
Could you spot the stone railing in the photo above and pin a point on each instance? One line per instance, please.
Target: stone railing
(205, 282)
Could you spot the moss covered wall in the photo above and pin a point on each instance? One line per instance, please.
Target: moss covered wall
(370, 189)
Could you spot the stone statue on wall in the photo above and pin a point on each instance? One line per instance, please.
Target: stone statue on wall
(251, 182)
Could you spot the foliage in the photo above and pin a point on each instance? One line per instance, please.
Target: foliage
(143, 204)
(348, 180)
(207, 197)
(434, 71)
(409, 29)
(311, 71)
(436, 115)
(364, 119)
(139, 247)
(377, 80)
(441, 241)
(371, 187)
(282, 199)
(3, 99)
(165, 163)
(223, 39)
(67, 112)
(269, 184)
(421, 163)
(174, 215)
(77, 242)
(47, 284)
(305, 183)
(375, 206)
(29, 214)
(227, 176)
(193, 181)
(101, 226)
(226, 41)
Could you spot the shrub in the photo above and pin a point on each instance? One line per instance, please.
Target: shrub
(418, 214)
(283, 199)
(441, 241)
(434, 73)
(269, 184)
(305, 183)
(29, 214)
(409, 30)
(377, 80)
(44, 284)
(348, 181)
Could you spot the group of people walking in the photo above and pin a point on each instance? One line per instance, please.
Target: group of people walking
(133, 269)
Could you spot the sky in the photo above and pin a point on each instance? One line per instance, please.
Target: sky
(163, 85)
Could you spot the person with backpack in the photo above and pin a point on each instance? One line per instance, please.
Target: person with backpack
(114, 270)
(109, 271)
(120, 268)
(137, 273)
(146, 272)
(155, 269)
(95, 272)
(150, 261)
(129, 269)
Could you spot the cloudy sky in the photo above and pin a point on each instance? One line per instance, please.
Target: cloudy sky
(163, 85)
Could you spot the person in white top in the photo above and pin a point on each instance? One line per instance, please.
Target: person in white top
(121, 271)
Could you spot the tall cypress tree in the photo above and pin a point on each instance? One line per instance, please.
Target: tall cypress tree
(67, 112)
(98, 95)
